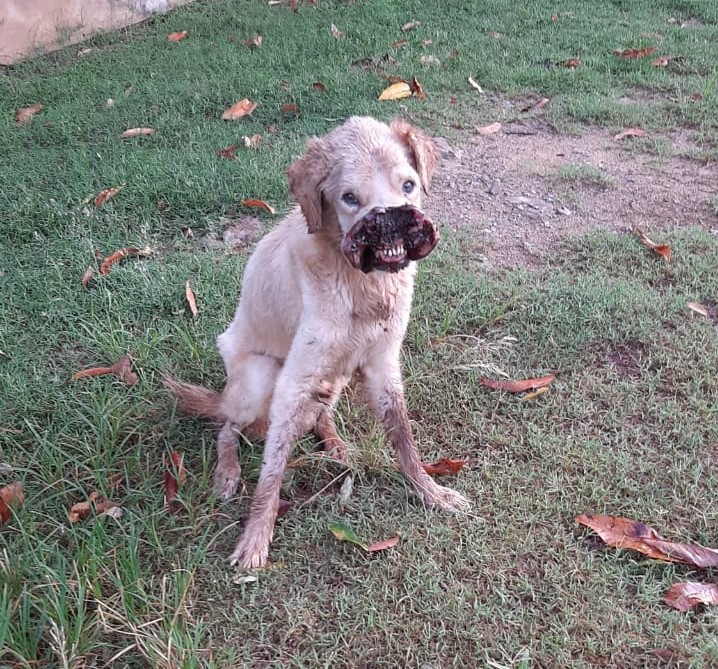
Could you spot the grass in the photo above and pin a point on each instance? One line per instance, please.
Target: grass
(629, 426)
(587, 175)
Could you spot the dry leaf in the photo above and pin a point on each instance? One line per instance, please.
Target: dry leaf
(621, 532)
(336, 33)
(82, 510)
(698, 308)
(239, 109)
(319, 86)
(137, 132)
(661, 249)
(519, 386)
(417, 89)
(83, 52)
(11, 496)
(537, 105)
(118, 255)
(289, 108)
(260, 204)
(343, 532)
(178, 36)
(190, 298)
(410, 26)
(686, 595)
(105, 195)
(490, 129)
(635, 53)
(228, 152)
(629, 132)
(345, 492)
(571, 63)
(473, 84)
(382, 545)
(252, 142)
(26, 114)
(429, 60)
(396, 91)
(253, 41)
(662, 61)
(400, 43)
(554, 17)
(87, 277)
(494, 34)
(443, 467)
(110, 103)
(174, 476)
(427, 42)
(121, 369)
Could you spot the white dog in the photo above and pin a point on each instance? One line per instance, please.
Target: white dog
(326, 294)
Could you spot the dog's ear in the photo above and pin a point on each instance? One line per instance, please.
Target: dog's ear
(421, 147)
(306, 177)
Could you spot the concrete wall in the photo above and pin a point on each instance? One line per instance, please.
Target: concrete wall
(28, 27)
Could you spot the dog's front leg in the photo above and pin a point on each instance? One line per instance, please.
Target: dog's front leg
(385, 391)
(293, 413)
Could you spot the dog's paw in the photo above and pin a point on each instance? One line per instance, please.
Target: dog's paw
(250, 553)
(226, 481)
(447, 499)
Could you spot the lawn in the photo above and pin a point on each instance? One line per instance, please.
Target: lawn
(629, 427)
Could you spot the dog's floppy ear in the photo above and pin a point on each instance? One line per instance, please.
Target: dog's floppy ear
(306, 177)
(422, 148)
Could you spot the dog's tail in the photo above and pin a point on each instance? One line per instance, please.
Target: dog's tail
(196, 401)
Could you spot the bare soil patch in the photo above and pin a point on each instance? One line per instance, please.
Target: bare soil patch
(516, 190)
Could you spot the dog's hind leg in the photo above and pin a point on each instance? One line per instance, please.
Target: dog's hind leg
(245, 402)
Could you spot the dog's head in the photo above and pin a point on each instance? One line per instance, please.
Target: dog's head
(362, 182)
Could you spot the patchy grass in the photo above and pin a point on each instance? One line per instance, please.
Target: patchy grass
(587, 175)
(628, 427)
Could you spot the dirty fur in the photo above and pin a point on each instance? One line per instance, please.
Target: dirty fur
(307, 321)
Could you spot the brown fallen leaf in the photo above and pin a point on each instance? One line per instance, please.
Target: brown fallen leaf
(396, 91)
(519, 386)
(83, 52)
(252, 142)
(11, 496)
(684, 596)
(26, 114)
(189, 294)
(417, 89)
(289, 108)
(105, 195)
(698, 308)
(537, 105)
(443, 467)
(635, 53)
(259, 204)
(239, 110)
(621, 532)
(663, 250)
(117, 256)
(319, 86)
(490, 129)
(178, 36)
(400, 43)
(662, 61)
(336, 33)
(253, 41)
(82, 510)
(571, 63)
(410, 25)
(228, 152)
(122, 369)
(87, 277)
(382, 545)
(137, 132)
(173, 477)
(629, 132)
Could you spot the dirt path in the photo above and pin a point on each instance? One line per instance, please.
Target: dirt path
(508, 187)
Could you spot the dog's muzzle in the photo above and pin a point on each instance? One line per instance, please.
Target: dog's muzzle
(387, 239)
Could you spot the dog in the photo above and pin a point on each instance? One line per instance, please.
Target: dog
(325, 295)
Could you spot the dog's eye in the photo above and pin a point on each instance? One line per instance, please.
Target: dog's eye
(408, 186)
(350, 199)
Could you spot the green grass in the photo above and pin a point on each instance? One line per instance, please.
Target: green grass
(628, 427)
(587, 175)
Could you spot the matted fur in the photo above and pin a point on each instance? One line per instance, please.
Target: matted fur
(307, 321)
